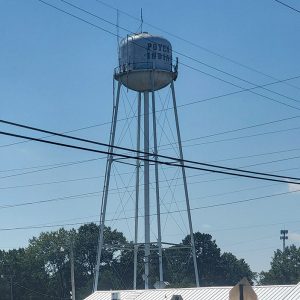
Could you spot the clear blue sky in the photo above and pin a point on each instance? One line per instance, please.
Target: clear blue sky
(56, 73)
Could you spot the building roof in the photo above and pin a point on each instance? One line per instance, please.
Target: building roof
(268, 292)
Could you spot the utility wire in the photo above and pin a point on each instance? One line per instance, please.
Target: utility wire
(39, 226)
(155, 214)
(237, 138)
(255, 226)
(51, 168)
(78, 18)
(127, 173)
(84, 195)
(182, 54)
(169, 108)
(240, 87)
(178, 106)
(242, 128)
(62, 164)
(49, 183)
(92, 194)
(135, 151)
(162, 147)
(193, 43)
(273, 161)
(283, 180)
(190, 67)
(286, 5)
(236, 92)
(259, 154)
(69, 131)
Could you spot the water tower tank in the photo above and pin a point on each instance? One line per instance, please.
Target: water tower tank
(145, 62)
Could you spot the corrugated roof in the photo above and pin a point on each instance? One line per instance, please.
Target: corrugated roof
(215, 293)
(270, 292)
(106, 295)
(273, 292)
(294, 294)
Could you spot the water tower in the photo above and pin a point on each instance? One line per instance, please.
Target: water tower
(145, 66)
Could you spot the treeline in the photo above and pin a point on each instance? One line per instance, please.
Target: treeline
(42, 269)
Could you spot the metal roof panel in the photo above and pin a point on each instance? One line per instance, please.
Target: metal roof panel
(270, 292)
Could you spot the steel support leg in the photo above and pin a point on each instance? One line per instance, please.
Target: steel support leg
(106, 186)
(137, 191)
(146, 189)
(185, 186)
(161, 279)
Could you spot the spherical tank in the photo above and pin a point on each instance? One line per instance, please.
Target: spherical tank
(145, 62)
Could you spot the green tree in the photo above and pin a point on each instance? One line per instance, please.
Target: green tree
(51, 252)
(208, 257)
(232, 270)
(26, 274)
(86, 242)
(43, 268)
(214, 268)
(285, 267)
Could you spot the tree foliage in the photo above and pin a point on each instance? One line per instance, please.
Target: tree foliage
(214, 268)
(42, 270)
(285, 267)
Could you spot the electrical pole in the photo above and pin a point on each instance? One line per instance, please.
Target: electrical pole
(283, 237)
(72, 268)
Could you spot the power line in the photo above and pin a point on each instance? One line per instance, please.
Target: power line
(229, 139)
(154, 214)
(255, 226)
(39, 226)
(91, 194)
(242, 128)
(237, 92)
(259, 154)
(51, 168)
(238, 86)
(62, 164)
(286, 5)
(69, 131)
(182, 54)
(163, 162)
(193, 68)
(65, 164)
(50, 200)
(96, 193)
(193, 43)
(168, 108)
(243, 137)
(207, 65)
(48, 183)
(273, 161)
(139, 152)
(126, 173)
(78, 18)
(59, 165)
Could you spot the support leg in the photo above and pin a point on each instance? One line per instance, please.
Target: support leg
(137, 187)
(185, 187)
(157, 191)
(106, 186)
(146, 189)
